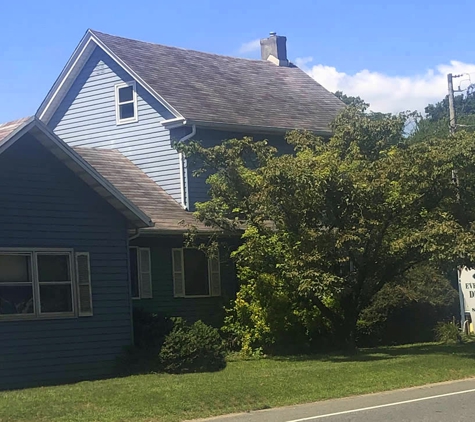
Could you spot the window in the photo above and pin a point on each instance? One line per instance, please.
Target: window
(55, 283)
(140, 273)
(41, 284)
(126, 103)
(16, 285)
(194, 274)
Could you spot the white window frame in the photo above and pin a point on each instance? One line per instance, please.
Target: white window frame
(210, 290)
(135, 118)
(140, 270)
(33, 254)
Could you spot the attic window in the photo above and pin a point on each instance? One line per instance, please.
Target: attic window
(126, 103)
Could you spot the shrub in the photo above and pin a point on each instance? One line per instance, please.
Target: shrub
(150, 330)
(447, 332)
(192, 348)
(408, 311)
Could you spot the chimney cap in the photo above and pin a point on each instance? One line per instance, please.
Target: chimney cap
(272, 33)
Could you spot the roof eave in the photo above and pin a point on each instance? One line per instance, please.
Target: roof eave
(75, 64)
(157, 232)
(64, 81)
(80, 167)
(252, 128)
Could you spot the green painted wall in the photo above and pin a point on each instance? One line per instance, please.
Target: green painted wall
(209, 309)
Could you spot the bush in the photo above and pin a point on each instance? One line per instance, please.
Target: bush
(448, 333)
(408, 312)
(192, 348)
(150, 330)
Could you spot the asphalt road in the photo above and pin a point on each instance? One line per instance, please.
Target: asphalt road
(445, 402)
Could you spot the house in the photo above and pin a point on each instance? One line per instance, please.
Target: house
(65, 309)
(138, 98)
(157, 253)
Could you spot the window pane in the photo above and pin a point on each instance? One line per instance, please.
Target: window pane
(134, 272)
(126, 94)
(14, 268)
(16, 300)
(54, 268)
(126, 111)
(56, 298)
(196, 273)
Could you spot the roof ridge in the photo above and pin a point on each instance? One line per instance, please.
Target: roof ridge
(93, 31)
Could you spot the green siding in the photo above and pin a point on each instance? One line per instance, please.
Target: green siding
(208, 309)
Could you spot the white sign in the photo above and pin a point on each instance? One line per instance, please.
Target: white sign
(467, 289)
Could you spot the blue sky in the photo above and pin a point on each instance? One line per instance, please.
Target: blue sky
(393, 53)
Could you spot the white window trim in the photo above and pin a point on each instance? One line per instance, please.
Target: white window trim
(136, 248)
(37, 315)
(184, 277)
(118, 120)
(139, 275)
(82, 313)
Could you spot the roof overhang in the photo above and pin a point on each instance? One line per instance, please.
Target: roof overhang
(80, 167)
(179, 122)
(84, 51)
(74, 66)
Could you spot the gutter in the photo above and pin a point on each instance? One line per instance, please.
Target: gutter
(183, 178)
(135, 235)
(241, 128)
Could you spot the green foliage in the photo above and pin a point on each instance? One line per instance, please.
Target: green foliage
(325, 229)
(435, 123)
(408, 312)
(464, 105)
(150, 330)
(351, 101)
(448, 333)
(192, 348)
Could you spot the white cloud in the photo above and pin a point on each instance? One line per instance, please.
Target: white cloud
(391, 93)
(250, 47)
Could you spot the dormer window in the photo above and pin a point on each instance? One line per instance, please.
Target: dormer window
(126, 103)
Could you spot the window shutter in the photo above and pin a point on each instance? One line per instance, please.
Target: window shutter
(178, 273)
(214, 276)
(145, 274)
(83, 272)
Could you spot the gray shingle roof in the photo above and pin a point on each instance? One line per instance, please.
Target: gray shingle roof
(143, 192)
(211, 88)
(9, 127)
(13, 131)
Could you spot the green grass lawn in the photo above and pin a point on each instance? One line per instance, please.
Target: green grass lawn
(242, 386)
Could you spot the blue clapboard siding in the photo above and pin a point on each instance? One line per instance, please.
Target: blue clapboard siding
(43, 204)
(198, 189)
(208, 309)
(86, 117)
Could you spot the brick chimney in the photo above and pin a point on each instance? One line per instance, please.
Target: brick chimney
(274, 49)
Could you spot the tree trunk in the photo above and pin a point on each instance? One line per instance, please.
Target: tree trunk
(345, 331)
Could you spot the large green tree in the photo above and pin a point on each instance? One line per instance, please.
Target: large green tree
(325, 229)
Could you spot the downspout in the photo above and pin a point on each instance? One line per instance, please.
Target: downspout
(181, 159)
(131, 306)
(135, 235)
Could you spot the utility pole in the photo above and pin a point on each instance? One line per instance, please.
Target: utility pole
(452, 118)
(455, 179)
